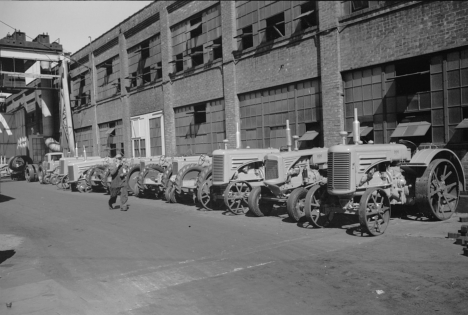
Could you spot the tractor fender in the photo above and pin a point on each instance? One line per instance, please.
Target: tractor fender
(426, 156)
(233, 177)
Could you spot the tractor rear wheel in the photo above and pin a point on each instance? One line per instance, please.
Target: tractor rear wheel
(437, 191)
(236, 197)
(374, 211)
(295, 204)
(318, 216)
(259, 208)
(151, 171)
(187, 177)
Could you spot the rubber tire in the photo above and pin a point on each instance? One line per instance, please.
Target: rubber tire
(296, 195)
(29, 173)
(179, 180)
(202, 177)
(148, 168)
(25, 160)
(255, 205)
(40, 175)
(133, 169)
(166, 177)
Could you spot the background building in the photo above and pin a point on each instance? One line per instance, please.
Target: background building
(178, 76)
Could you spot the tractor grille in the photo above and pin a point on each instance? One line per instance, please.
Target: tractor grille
(71, 176)
(271, 169)
(218, 168)
(62, 167)
(339, 170)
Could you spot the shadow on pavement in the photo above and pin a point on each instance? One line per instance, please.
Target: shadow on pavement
(4, 198)
(6, 254)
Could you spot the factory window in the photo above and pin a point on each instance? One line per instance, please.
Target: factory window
(217, 49)
(179, 63)
(417, 99)
(264, 113)
(192, 38)
(84, 140)
(111, 138)
(275, 27)
(144, 62)
(199, 114)
(195, 27)
(200, 128)
(359, 5)
(107, 78)
(308, 16)
(247, 37)
(265, 21)
(196, 55)
(81, 87)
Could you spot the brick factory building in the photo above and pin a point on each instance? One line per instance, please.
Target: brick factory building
(177, 76)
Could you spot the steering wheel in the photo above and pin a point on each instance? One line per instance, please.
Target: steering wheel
(202, 159)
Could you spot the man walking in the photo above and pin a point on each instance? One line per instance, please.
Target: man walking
(119, 183)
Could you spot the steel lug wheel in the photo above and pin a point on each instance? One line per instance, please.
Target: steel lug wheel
(374, 211)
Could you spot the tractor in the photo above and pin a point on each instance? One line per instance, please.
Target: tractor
(288, 176)
(235, 173)
(80, 174)
(48, 165)
(367, 179)
(180, 178)
(149, 179)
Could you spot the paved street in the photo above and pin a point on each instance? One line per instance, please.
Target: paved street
(64, 252)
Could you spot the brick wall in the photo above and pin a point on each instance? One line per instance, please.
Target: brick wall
(285, 64)
(403, 31)
(146, 101)
(332, 99)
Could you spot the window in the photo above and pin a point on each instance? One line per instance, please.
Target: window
(217, 49)
(413, 77)
(145, 50)
(200, 128)
(359, 5)
(179, 63)
(308, 16)
(275, 27)
(107, 75)
(192, 38)
(159, 71)
(111, 138)
(199, 114)
(196, 54)
(247, 37)
(264, 113)
(139, 147)
(195, 27)
(144, 60)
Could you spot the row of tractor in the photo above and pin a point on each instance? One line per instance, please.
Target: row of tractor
(361, 179)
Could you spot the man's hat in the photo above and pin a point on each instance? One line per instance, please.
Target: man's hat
(118, 156)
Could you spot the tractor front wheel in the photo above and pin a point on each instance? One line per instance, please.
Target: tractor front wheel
(236, 197)
(374, 211)
(259, 207)
(317, 215)
(295, 204)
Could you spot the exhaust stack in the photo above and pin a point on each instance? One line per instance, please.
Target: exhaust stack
(225, 144)
(356, 128)
(288, 136)
(84, 152)
(238, 137)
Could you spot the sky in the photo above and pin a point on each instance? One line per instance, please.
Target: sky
(70, 21)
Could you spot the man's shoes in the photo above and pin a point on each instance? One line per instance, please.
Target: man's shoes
(111, 208)
(124, 209)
